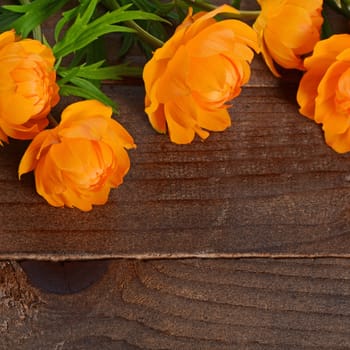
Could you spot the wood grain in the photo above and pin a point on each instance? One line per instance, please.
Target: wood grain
(221, 304)
(267, 186)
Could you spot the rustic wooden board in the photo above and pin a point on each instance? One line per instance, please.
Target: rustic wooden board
(267, 186)
(221, 304)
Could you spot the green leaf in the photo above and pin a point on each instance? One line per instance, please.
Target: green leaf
(149, 35)
(67, 74)
(128, 41)
(66, 17)
(66, 47)
(33, 14)
(94, 52)
(7, 18)
(159, 7)
(97, 72)
(81, 33)
(83, 88)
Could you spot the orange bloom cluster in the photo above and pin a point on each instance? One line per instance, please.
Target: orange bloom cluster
(28, 86)
(288, 30)
(324, 90)
(189, 83)
(192, 77)
(79, 161)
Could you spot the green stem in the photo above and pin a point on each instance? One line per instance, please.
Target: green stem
(243, 15)
(143, 34)
(37, 34)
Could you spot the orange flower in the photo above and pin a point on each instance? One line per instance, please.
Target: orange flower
(287, 30)
(324, 90)
(190, 79)
(27, 86)
(80, 160)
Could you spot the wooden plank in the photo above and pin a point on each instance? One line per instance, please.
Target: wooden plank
(267, 186)
(250, 304)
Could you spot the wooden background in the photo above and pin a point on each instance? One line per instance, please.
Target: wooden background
(238, 242)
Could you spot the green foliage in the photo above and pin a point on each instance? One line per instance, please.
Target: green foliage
(80, 31)
(78, 39)
(86, 89)
(24, 18)
(169, 11)
(85, 30)
(7, 18)
(98, 72)
(79, 34)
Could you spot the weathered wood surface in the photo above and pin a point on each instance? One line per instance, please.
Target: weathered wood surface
(196, 304)
(267, 186)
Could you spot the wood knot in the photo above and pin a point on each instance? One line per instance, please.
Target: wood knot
(65, 277)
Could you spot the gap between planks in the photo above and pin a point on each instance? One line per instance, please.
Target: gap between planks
(80, 257)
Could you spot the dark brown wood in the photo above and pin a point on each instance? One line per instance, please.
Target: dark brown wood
(64, 277)
(221, 304)
(267, 186)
